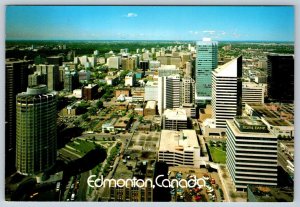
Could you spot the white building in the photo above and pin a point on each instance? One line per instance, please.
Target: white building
(113, 62)
(168, 92)
(252, 93)
(179, 148)
(227, 92)
(129, 79)
(251, 154)
(154, 64)
(166, 70)
(77, 93)
(151, 91)
(174, 119)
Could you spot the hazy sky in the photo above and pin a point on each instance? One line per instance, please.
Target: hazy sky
(266, 23)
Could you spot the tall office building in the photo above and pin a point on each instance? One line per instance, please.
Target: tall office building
(36, 130)
(227, 92)
(251, 154)
(252, 93)
(16, 75)
(52, 72)
(168, 92)
(281, 78)
(188, 90)
(71, 80)
(206, 61)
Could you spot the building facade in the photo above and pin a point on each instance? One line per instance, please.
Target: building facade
(251, 155)
(168, 92)
(36, 130)
(281, 78)
(179, 148)
(206, 61)
(227, 92)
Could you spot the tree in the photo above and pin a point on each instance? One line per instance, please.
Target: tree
(92, 111)
(99, 104)
(85, 117)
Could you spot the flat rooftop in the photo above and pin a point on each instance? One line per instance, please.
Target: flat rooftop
(278, 122)
(176, 114)
(246, 129)
(150, 105)
(174, 140)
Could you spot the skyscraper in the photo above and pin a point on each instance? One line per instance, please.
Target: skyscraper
(188, 90)
(227, 92)
(281, 78)
(168, 92)
(52, 72)
(206, 61)
(16, 72)
(251, 154)
(36, 130)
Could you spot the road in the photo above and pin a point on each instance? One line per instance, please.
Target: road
(81, 195)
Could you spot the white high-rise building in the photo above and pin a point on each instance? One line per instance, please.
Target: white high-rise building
(251, 154)
(252, 93)
(168, 92)
(227, 92)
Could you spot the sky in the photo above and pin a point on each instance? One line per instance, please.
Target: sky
(232, 23)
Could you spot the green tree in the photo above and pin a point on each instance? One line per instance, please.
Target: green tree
(93, 111)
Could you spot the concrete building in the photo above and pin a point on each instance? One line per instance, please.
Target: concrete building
(176, 61)
(151, 91)
(36, 130)
(190, 109)
(36, 79)
(130, 79)
(206, 62)
(52, 72)
(179, 148)
(168, 92)
(281, 78)
(188, 69)
(128, 64)
(90, 92)
(154, 65)
(84, 75)
(227, 92)
(279, 118)
(174, 119)
(166, 70)
(113, 62)
(71, 80)
(252, 93)
(55, 60)
(16, 77)
(150, 108)
(251, 155)
(188, 91)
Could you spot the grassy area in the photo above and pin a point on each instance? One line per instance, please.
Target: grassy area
(83, 146)
(217, 154)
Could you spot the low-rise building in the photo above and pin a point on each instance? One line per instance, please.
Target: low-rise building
(174, 119)
(150, 108)
(179, 148)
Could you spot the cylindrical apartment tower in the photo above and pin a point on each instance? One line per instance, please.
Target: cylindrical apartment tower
(36, 130)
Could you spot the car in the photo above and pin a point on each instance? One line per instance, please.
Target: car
(73, 197)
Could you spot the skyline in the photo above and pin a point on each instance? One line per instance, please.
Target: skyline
(221, 23)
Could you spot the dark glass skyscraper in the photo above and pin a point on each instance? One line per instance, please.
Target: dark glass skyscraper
(16, 72)
(206, 61)
(281, 78)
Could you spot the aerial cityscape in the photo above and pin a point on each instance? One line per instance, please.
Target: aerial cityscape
(149, 103)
